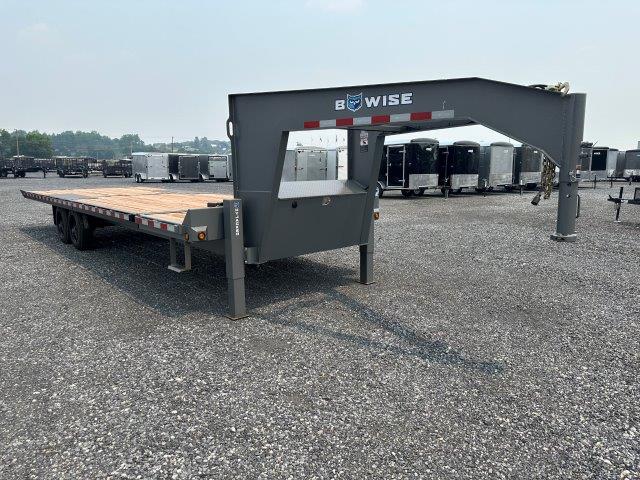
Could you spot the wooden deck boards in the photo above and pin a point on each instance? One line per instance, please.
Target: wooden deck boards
(153, 203)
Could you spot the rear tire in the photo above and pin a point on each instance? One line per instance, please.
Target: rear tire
(407, 193)
(61, 221)
(418, 192)
(137, 178)
(79, 233)
(379, 190)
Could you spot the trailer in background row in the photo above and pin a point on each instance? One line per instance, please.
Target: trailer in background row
(612, 160)
(527, 166)
(184, 167)
(219, 167)
(599, 157)
(410, 168)
(305, 164)
(116, 168)
(495, 166)
(632, 165)
(337, 159)
(72, 166)
(583, 170)
(458, 165)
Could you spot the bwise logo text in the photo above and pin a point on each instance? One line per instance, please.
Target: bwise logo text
(356, 102)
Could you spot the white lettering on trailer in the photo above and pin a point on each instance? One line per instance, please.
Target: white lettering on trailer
(236, 212)
(389, 100)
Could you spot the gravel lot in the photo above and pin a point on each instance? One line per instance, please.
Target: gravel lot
(484, 350)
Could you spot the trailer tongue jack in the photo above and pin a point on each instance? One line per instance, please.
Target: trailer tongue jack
(268, 219)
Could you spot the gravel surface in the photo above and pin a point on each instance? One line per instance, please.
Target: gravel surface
(484, 350)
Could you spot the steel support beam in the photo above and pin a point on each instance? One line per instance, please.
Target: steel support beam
(234, 258)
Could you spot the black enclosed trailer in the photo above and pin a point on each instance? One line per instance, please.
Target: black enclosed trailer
(599, 163)
(527, 166)
(72, 166)
(458, 165)
(184, 167)
(410, 167)
(116, 168)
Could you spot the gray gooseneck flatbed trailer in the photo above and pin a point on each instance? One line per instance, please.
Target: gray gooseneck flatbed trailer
(267, 220)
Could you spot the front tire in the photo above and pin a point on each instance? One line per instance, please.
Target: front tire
(407, 193)
(379, 190)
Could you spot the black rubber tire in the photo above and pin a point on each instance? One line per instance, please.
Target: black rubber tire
(407, 193)
(85, 174)
(61, 221)
(379, 189)
(137, 178)
(79, 234)
(418, 192)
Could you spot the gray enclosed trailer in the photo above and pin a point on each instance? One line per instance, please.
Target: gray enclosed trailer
(337, 161)
(220, 167)
(612, 161)
(620, 163)
(495, 168)
(150, 166)
(632, 165)
(305, 164)
(267, 219)
(585, 157)
(527, 166)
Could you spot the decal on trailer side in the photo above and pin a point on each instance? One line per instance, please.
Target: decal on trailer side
(356, 102)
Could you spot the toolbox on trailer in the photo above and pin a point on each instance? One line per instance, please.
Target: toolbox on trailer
(305, 164)
(458, 165)
(527, 166)
(495, 166)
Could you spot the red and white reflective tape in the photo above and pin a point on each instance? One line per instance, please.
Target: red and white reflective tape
(80, 206)
(147, 222)
(381, 119)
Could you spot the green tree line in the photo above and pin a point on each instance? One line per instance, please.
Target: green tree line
(93, 144)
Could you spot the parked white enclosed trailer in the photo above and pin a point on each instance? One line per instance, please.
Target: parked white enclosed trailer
(150, 166)
(495, 166)
(337, 164)
(220, 168)
(304, 164)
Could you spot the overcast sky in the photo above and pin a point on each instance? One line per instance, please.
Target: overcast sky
(163, 69)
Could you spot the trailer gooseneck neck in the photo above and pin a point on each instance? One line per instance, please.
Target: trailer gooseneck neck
(269, 219)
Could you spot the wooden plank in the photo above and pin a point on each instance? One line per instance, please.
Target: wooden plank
(154, 203)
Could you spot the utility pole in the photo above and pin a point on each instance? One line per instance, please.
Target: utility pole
(171, 144)
(17, 144)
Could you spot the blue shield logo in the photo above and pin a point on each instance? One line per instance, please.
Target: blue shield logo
(354, 102)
